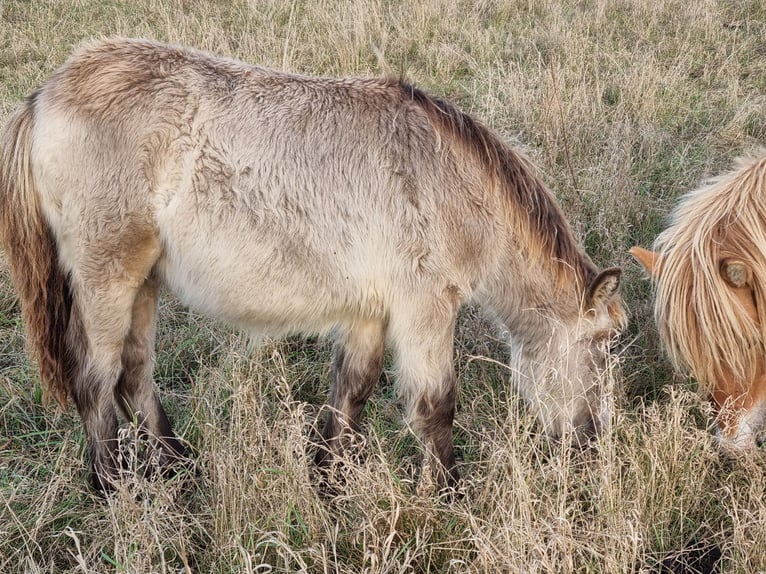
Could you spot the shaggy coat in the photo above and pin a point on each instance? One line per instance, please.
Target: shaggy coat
(282, 204)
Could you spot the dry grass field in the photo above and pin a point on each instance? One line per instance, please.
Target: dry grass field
(623, 105)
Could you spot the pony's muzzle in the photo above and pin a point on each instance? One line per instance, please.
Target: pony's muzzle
(748, 434)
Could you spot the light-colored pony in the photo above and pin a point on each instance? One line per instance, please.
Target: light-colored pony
(281, 203)
(710, 306)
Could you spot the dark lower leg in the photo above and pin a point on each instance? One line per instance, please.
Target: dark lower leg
(134, 393)
(100, 421)
(356, 368)
(433, 416)
(145, 410)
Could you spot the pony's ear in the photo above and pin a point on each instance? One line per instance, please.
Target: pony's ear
(604, 286)
(736, 273)
(649, 260)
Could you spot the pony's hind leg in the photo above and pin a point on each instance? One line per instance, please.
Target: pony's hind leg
(110, 271)
(357, 363)
(96, 337)
(135, 393)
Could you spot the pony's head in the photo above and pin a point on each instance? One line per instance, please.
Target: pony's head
(566, 362)
(709, 268)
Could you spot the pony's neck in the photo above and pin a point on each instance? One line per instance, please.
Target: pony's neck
(529, 297)
(545, 268)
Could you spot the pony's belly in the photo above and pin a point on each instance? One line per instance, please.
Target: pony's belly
(253, 293)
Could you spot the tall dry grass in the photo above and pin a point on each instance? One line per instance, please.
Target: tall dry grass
(623, 105)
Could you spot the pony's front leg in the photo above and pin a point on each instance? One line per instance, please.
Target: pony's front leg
(432, 414)
(424, 346)
(356, 368)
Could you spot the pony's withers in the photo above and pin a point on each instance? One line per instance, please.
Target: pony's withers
(280, 203)
(710, 273)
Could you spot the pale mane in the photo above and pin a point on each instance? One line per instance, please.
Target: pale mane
(703, 327)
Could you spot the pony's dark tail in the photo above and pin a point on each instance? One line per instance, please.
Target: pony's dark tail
(43, 288)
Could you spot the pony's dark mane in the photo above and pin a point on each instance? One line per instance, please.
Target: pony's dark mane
(517, 176)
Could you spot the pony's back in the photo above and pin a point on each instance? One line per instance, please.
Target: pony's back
(342, 189)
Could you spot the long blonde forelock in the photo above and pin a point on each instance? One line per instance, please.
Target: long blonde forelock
(703, 327)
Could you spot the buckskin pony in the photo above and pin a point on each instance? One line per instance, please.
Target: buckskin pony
(709, 267)
(280, 203)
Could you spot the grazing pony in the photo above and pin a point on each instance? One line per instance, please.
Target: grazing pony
(282, 204)
(710, 272)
